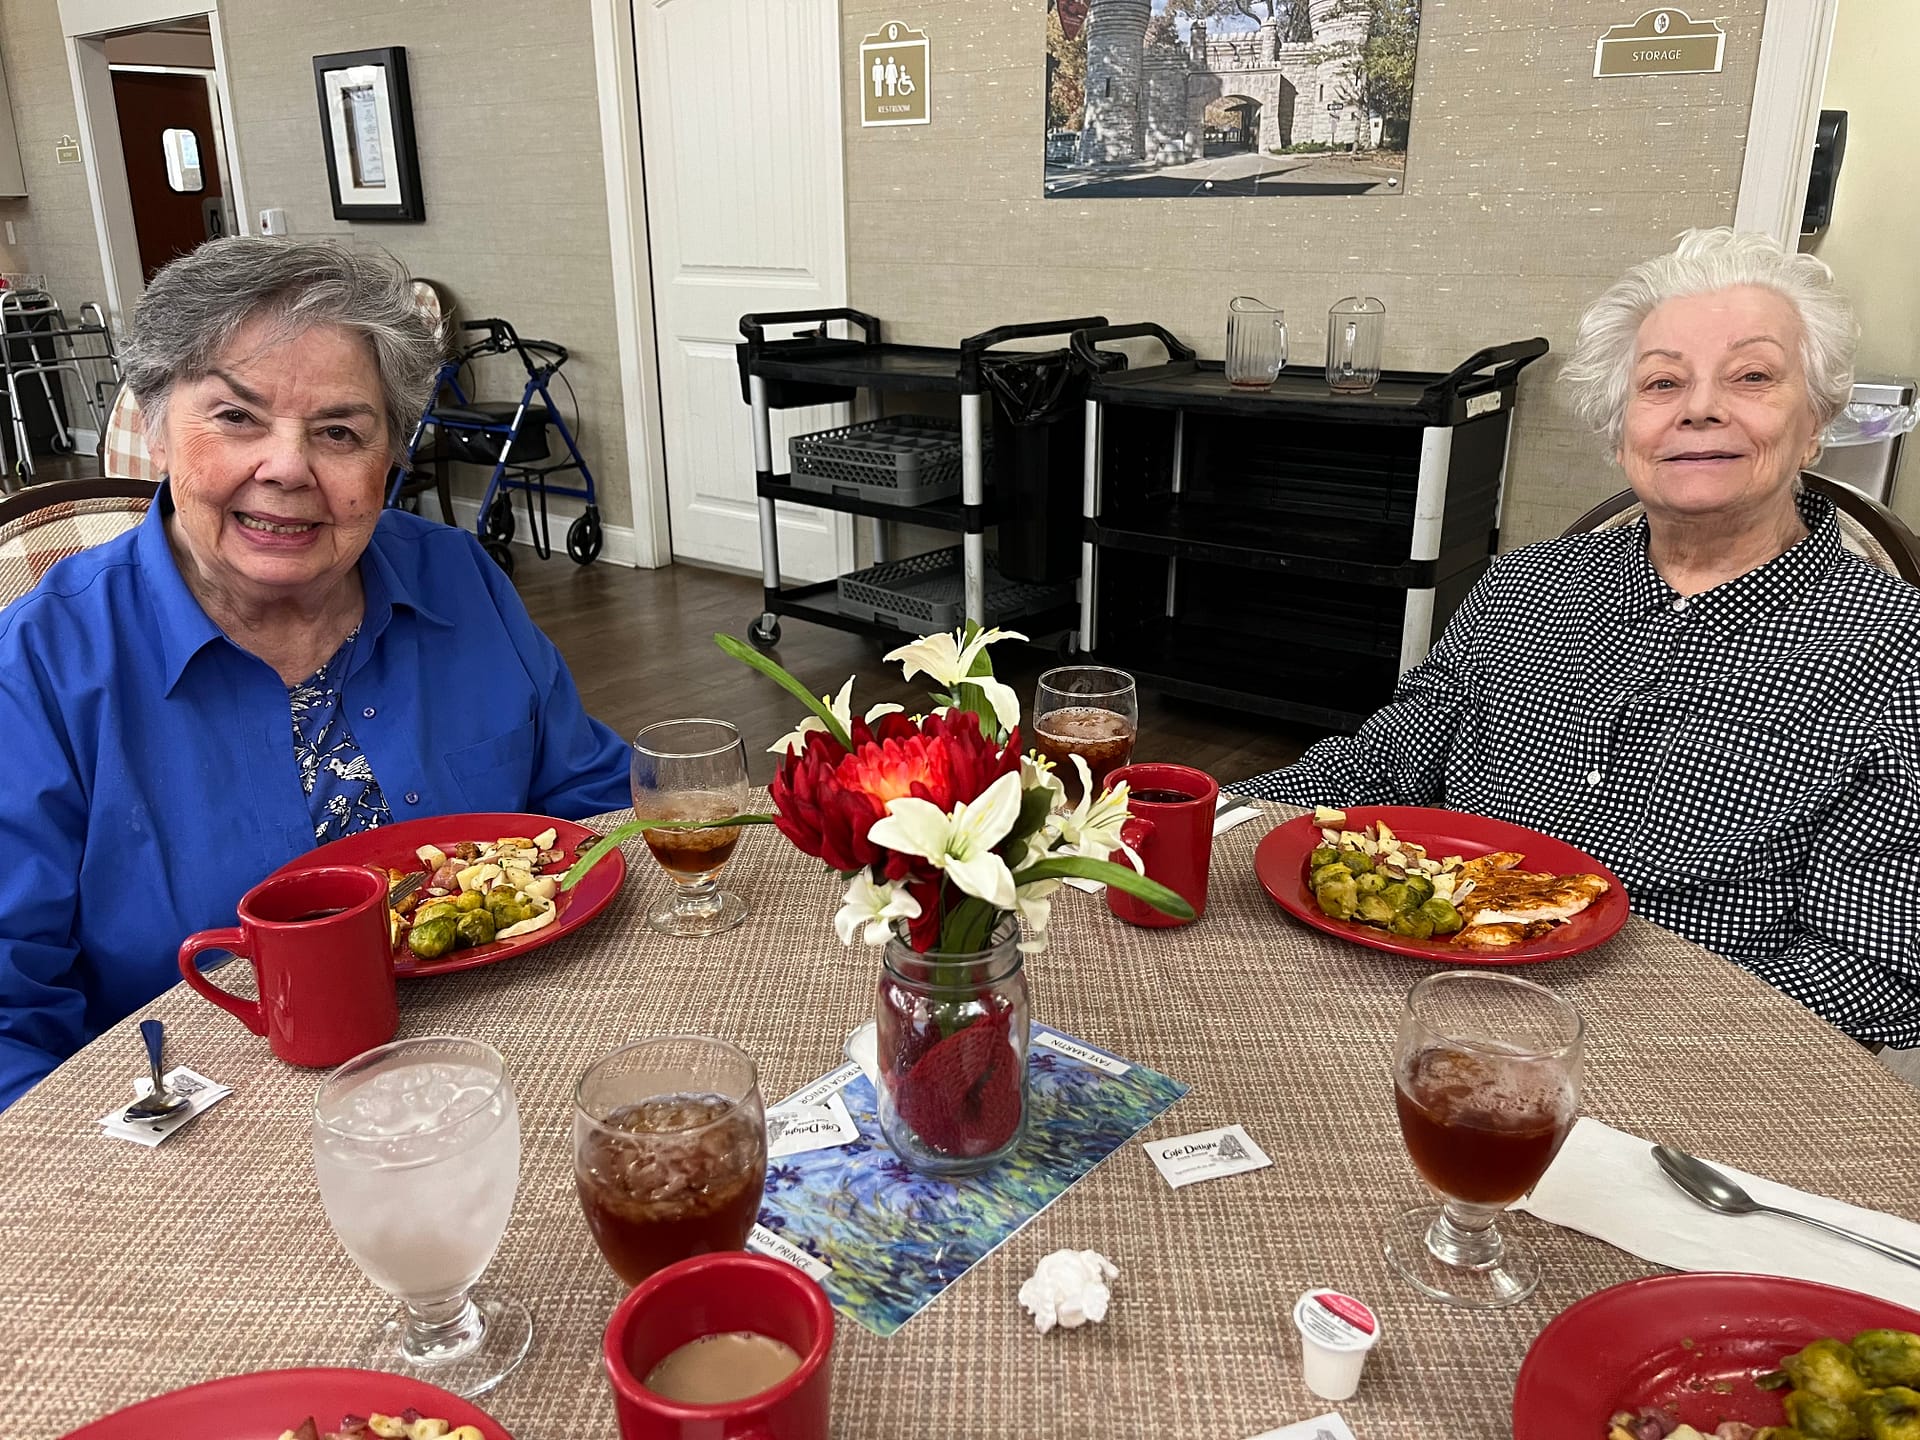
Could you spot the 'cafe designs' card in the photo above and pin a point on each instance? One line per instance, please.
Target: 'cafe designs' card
(1208, 1155)
(796, 1129)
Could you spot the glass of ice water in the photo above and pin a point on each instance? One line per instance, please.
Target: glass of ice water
(417, 1147)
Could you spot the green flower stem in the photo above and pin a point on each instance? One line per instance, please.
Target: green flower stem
(747, 655)
(1120, 877)
(599, 850)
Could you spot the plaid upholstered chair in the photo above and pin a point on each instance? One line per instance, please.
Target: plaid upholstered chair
(1867, 527)
(46, 523)
(123, 448)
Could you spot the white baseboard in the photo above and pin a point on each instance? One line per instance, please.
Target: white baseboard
(618, 547)
(85, 442)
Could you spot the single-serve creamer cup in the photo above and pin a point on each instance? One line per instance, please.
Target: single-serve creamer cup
(1336, 1332)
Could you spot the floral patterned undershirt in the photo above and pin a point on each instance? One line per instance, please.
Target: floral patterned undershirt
(343, 796)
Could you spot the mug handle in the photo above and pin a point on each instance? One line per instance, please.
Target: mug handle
(1137, 830)
(234, 942)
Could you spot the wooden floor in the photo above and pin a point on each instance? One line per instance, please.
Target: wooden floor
(639, 644)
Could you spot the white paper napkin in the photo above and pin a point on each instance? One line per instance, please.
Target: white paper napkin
(1224, 820)
(1605, 1183)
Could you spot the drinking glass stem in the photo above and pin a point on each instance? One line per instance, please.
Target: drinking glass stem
(702, 897)
(441, 1330)
(1465, 1236)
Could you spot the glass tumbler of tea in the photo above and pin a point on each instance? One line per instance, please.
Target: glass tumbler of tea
(1256, 343)
(692, 770)
(1090, 711)
(669, 1151)
(1486, 1078)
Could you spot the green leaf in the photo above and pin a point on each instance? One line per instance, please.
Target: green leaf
(1035, 805)
(599, 850)
(968, 926)
(1120, 877)
(747, 655)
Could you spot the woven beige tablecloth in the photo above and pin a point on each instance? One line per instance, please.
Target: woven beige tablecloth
(127, 1271)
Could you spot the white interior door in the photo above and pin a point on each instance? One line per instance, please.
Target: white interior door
(740, 130)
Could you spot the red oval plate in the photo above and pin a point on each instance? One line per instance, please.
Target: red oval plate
(1281, 864)
(392, 847)
(1669, 1340)
(263, 1405)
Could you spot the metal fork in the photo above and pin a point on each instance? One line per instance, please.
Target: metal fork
(402, 889)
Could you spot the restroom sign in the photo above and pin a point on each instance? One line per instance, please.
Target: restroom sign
(1661, 42)
(895, 77)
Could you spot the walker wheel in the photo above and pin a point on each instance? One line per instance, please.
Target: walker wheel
(501, 552)
(498, 524)
(764, 632)
(584, 537)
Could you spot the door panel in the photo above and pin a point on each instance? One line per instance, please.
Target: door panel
(169, 222)
(740, 130)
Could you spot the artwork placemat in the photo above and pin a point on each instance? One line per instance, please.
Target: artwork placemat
(884, 1241)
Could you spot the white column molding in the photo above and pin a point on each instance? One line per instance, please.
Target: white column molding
(1794, 43)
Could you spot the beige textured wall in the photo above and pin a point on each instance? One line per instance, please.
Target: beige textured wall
(507, 124)
(1876, 212)
(1530, 186)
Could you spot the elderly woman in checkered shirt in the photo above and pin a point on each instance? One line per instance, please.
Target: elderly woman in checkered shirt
(1720, 702)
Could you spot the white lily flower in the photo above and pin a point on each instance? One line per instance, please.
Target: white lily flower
(961, 844)
(842, 707)
(943, 658)
(872, 909)
(1093, 827)
(1035, 904)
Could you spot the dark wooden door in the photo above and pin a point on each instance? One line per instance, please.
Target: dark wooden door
(169, 221)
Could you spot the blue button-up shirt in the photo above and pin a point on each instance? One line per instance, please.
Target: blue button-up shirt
(149, 773)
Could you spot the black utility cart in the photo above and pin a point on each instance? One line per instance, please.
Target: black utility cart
(1010, 458)
(1288, 551)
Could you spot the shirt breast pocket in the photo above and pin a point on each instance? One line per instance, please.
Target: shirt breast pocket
(1741, 787)
(496, 774)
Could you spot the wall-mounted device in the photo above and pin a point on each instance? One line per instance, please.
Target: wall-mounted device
(1829, 149)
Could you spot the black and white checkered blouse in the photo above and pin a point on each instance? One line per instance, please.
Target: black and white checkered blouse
(1747, 760)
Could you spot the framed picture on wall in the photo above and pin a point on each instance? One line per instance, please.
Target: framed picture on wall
(366, 127)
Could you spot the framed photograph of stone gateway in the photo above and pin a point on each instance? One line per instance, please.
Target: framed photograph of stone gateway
(1165, 98)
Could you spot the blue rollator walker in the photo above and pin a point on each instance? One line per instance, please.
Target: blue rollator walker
(511, 439)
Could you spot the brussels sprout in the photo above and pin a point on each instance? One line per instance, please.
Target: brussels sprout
(1888, 1357)
(1412, 924)
(1374, 909)
(430, 939)
(1446, 919)
(502, 895)
(1819, 1418)
(1336, 871)
(434, 911)
(1358, 861)
(1825, 1368)
(1399, 897)
(476, 927)
(1336, 897)
(1421, 887)
(1323, 855)
(1372, 883)
(1890, 1414)
(469, 901)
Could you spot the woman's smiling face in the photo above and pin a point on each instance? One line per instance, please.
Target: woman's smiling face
(278, 461)
(1719, 418)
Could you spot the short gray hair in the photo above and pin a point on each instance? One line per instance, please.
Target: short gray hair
(196, 305)
(1705, 261)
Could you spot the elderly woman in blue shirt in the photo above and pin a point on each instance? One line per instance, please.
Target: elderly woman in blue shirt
(270, 661)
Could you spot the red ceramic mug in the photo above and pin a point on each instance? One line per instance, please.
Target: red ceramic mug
(1170, 826)
(718, 1294)
(321, 947)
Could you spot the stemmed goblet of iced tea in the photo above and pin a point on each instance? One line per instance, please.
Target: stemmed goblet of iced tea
(1087, 710)
(692, 770)
(669, 1151)
(1486, 1077)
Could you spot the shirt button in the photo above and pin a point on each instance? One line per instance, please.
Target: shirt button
(1680, 604)
(1594, 777)
(368, 712)
(413, 797)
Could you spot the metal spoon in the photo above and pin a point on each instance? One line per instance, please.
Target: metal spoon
(161, 1102)
(1716, 1190)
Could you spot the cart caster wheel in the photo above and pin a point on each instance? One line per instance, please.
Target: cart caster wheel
(584, 538)
(765, 632)
(498, 525)
(501, 552)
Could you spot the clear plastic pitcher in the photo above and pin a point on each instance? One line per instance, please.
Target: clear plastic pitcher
(1356, 327)
(1256, 343)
